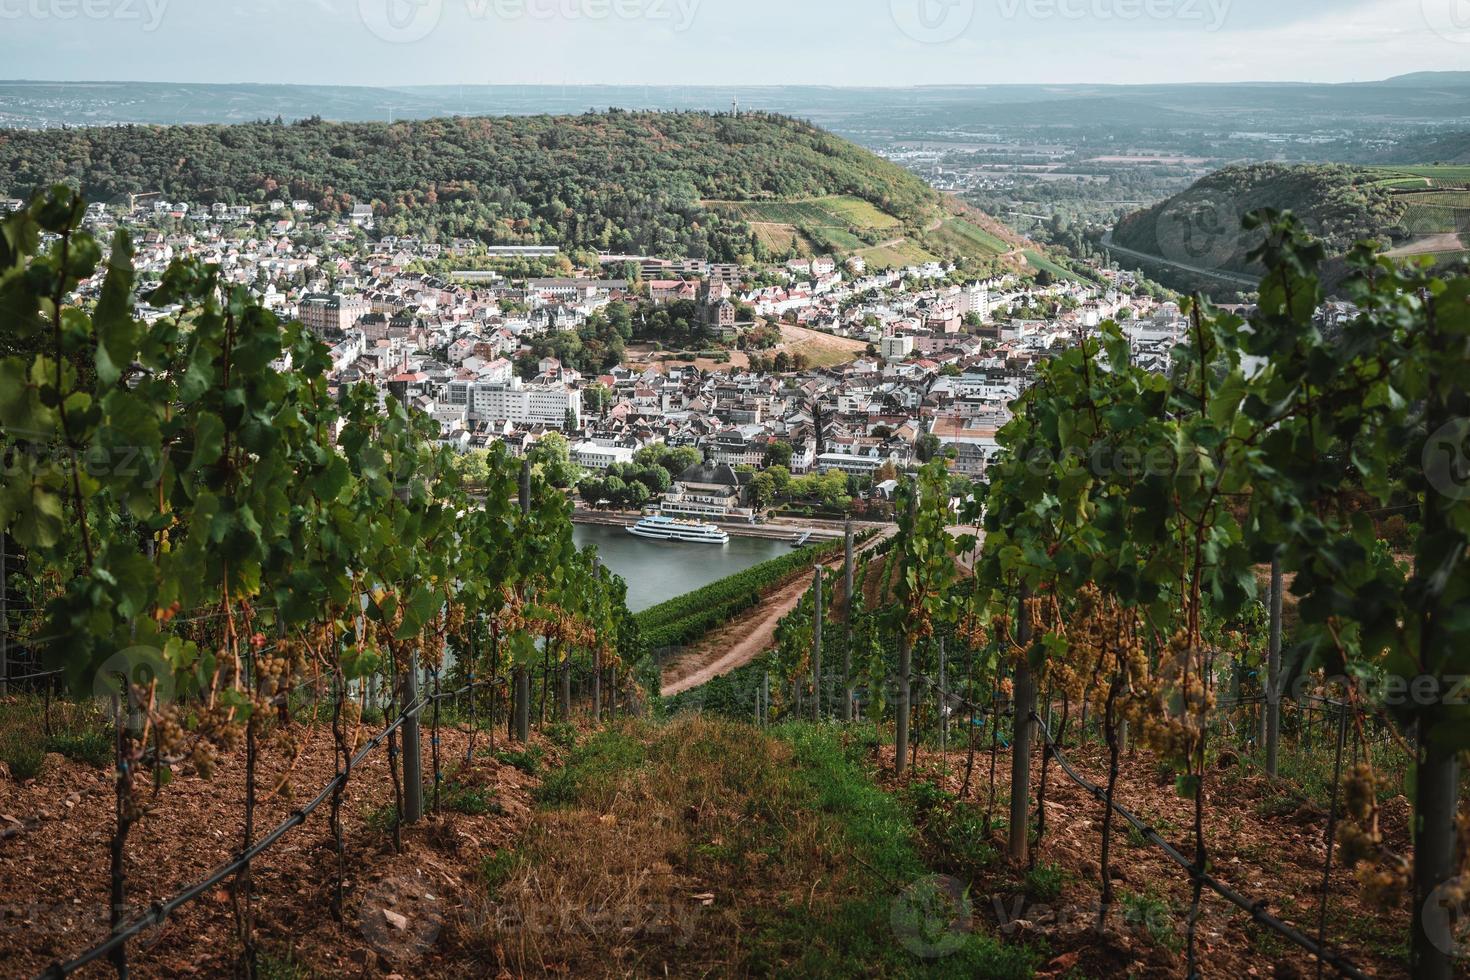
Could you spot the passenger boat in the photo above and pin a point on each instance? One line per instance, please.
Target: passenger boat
(668, 529)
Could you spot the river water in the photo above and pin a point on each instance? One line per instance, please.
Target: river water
(659, 570)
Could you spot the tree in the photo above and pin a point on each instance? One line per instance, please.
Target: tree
(597, 399)
(762, 491)
(674, 459)
(779, 453)
(927, 447)
(551, 456)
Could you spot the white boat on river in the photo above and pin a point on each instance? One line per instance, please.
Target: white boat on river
(668, 529)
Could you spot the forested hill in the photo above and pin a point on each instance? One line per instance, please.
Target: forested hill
(616, 181)
(1202, 226)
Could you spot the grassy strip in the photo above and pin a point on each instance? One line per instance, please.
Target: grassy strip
(79, 731)
(715, 849)
(873, 931)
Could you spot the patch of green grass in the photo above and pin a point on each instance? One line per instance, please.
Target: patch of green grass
(79, 731)
(279, 966)
(527, 760)
(1037, 260)
(562, 734)
(496, 869)
(592, 770)
(23, 754)
(381, 819)
(901, 255)
(869, 934)
(474, 801)
(1044, 883)
(968, 238)
(1154, 916)
(93, 746)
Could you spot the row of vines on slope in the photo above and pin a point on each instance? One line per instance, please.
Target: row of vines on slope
(1124, 523)
(227, 531)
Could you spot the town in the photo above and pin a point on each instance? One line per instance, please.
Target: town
(778, 377)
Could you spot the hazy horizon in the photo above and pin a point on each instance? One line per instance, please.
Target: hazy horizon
(832, 43)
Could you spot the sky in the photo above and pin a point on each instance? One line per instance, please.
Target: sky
(729, 42)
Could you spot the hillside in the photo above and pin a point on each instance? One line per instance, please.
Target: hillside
(619, 182)
(1201, 226)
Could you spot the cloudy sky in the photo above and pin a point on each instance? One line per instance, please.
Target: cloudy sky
(728, 42)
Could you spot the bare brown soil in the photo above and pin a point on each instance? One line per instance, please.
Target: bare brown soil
(53, 891)
(1261, 841)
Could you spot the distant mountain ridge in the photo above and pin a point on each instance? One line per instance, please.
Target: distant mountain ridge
(1415, 98)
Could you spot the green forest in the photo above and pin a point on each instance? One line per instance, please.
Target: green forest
(616, 181)
(1202, 225)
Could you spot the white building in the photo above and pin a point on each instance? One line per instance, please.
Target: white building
(523, 404)
(592, 456)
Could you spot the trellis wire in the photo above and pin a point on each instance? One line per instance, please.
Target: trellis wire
(1256, 909)
(160, 910)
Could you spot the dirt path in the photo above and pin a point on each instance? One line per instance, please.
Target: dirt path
(744, 638)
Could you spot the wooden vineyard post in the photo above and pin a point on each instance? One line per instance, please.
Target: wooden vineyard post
(5, 620)
(1272, 706)
(413, 759)
(901, 741)
(943, 716)
(905, 662)
(1021, 729)
(847, 624)
(817, 644)
(520, 678)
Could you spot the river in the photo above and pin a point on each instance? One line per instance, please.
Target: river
(659, 570)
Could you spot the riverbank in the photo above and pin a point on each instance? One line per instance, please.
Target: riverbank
(778, 530)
